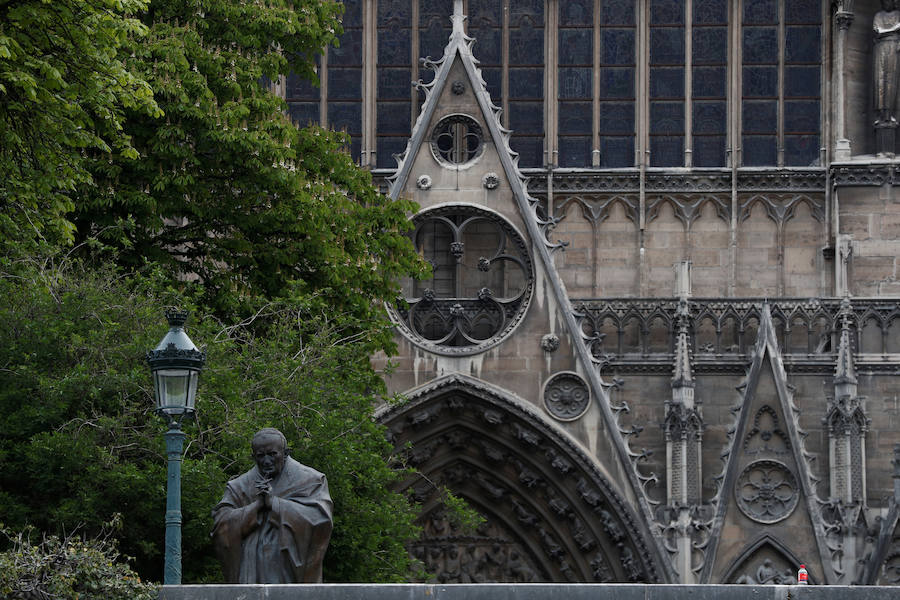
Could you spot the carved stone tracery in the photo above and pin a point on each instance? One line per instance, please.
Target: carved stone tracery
(477, 294)
(561, 518)
(767, 491)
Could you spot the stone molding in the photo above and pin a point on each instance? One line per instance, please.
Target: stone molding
(530, 591)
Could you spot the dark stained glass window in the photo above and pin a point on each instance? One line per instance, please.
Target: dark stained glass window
(575, 82)
(709, 77)
(485, 24)
(802, 82)
(526, 81)
(302, 98)
(667, 98)
(616, 80)
(393, 94)
(345, 78)
(760, 77)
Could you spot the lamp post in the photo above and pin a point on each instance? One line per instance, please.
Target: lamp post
(175, 364)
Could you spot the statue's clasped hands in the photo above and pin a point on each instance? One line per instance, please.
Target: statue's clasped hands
(264, 491)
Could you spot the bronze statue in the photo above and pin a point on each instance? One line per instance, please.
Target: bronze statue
(274, 521)
(886, 26)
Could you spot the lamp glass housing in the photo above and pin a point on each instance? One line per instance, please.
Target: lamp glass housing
(176, 390)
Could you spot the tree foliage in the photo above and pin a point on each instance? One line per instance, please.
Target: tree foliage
(227, 188)
(80, 442)
(210, 199)
(64, 90)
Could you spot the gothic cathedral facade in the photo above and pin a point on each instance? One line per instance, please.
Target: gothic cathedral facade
(661, 342)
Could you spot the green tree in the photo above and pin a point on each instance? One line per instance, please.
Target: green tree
(280, 244)
(63, 92)
(227, 188)
(79, 442)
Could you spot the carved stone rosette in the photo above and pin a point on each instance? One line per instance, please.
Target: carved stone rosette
(767, 491)
(566, 396)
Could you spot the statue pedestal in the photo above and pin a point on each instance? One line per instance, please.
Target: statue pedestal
(842, 150)
(885, 137)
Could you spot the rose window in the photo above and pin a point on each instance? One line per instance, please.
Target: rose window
(457, 140)
(482, 278)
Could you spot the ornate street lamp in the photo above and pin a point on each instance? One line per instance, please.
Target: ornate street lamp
(175, 364)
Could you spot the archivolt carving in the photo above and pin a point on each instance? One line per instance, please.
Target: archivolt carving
(554, 508)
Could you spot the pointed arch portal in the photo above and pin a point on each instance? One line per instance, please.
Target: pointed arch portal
(550, 514)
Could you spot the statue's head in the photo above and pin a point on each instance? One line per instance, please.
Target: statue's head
(888, 5)
(269, 451)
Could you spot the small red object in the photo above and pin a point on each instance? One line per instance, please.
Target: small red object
(802, 576)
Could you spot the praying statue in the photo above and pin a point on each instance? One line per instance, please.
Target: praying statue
(886, 26)
(274, 521)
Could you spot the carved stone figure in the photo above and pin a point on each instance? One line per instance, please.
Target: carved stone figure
(886, 26)
(274, 522)
(766, 572)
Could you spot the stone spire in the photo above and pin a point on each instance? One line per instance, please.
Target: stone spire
(684, 424)
(682, 376)
(847, 423)
(845, 371)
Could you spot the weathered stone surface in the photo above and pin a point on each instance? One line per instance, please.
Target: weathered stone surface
(534, 591)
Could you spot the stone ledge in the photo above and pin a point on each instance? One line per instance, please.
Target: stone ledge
(533, 591)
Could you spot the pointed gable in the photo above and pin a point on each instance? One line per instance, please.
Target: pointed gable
(767, 482)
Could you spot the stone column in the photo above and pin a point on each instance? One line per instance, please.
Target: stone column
(843, 17)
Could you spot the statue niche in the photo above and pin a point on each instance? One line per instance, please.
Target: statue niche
(886, 28)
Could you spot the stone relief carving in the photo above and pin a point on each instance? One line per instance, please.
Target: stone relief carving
(423, 182)
(766, 436)
(766, 491)
(487, 556)
(890, 570)
(566, 396)
(490, 181)
(767, 574)
(550, 342)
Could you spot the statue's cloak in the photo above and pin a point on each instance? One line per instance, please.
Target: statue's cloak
(283, 545)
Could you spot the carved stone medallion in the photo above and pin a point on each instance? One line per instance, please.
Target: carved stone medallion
(490, 181)
(423, 182)
(566, 396)
(767, 491)
(550, 342)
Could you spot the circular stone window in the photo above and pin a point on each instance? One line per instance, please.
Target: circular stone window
(482, 280)
(457, 140)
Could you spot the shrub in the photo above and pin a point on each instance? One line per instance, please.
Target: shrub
(68, 567)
